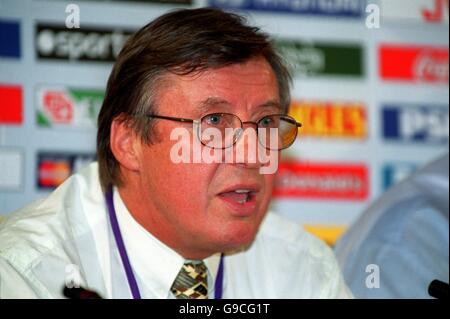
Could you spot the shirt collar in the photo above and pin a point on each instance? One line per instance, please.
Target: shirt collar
(153, 261)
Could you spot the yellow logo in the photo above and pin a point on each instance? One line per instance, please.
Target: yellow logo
(330, 119)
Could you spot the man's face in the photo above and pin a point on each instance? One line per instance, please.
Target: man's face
(199, 208)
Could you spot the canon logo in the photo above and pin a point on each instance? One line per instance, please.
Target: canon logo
(86, 44)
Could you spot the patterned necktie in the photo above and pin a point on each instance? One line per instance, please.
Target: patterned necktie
(191, 282)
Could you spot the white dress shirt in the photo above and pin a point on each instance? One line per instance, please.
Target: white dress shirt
(155, 265)
(66, 239)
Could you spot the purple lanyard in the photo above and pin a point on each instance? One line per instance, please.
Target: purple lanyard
(126, 262)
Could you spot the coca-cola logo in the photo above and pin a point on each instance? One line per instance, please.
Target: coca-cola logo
(431, 68)
(428, 64)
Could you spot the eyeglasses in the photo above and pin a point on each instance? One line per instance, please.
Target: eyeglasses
(231, 127)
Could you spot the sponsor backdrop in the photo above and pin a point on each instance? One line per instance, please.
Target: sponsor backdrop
(370, 88)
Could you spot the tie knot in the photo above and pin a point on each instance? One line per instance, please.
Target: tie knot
(191, 281)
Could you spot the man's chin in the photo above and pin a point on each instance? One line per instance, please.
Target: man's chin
(238, 238)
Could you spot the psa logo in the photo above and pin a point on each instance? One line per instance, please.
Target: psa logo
(393, 173)
(350, 8)
(322, 59)
(54, 168)
(60, 107)
(409, 123)
(414, 64)
(330, 119)
(85, 44)
(322, 181)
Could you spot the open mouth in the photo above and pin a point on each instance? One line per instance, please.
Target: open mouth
(239, 196)
(242, 200)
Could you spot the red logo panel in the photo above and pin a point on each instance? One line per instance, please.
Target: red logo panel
(322, 181)
(10, 104)
(414, 64)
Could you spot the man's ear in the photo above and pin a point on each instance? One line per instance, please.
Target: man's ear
(124, 144)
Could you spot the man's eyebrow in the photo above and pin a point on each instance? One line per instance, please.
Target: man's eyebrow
(211, 102)
(271, 103)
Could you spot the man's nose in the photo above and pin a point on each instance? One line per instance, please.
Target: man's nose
(247, 146)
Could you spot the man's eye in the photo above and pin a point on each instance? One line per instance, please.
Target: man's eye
(214, 119)
(266, 121)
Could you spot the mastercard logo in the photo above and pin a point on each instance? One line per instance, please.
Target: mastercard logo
(53, 173)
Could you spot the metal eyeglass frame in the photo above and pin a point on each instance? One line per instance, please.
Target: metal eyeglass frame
(198, 121)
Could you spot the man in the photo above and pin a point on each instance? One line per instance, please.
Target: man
(399, 245)
(144, 224)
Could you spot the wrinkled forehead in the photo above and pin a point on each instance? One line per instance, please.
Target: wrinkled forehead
(211, 103)
(251, 85)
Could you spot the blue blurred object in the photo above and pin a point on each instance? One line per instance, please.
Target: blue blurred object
(405, 233)
(9, 39)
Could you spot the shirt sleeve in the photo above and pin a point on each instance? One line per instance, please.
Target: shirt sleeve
(12, 284)
(337, 288)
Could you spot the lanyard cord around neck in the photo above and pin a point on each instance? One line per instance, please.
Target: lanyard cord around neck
(126, 261)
